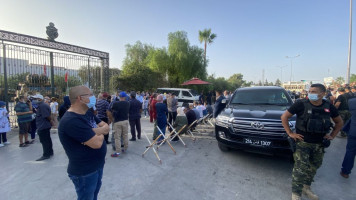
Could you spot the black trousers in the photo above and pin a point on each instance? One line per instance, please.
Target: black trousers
(171, 118)
(46, 141)
(106, 137)
(135, 123)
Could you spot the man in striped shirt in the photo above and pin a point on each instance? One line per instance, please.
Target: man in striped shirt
(102, 106)
(24, 117)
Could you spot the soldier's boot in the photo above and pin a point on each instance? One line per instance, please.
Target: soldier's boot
(308, 193)
(296, 196)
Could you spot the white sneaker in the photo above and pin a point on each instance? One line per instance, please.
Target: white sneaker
(7, 142)
(1, 145)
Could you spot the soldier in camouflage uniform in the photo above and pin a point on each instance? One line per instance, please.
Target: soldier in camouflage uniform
(311, 131)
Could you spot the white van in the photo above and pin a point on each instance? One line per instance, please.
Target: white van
(183, 95)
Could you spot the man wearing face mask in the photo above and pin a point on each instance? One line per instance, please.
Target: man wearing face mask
(312, 136)
(83, 144)
(43, 124)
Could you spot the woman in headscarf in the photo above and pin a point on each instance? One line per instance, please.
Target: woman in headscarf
(64, 107)
(162, 111)
(181, 120)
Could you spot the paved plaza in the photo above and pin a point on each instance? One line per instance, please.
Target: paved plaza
(199, 171)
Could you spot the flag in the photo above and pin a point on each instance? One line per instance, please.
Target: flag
(45, 69)
(66, 77)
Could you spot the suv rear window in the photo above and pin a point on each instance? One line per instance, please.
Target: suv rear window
(186, 94)
(261, 97)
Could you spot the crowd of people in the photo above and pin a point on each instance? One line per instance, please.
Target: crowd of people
(83, 121)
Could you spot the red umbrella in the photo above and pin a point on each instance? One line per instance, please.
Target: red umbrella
(195, 81)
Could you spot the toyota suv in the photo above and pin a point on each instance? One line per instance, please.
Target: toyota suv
(252, 121)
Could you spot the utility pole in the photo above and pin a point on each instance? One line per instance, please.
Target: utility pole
(291, 67)
(281, 67)
(350, 41)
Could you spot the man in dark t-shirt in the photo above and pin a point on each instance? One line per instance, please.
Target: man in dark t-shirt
(43, 124)
(342, 107)
(312, 126)
(83, 144)
(118, 113)
(135, 116)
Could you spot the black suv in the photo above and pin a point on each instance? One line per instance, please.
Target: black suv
(252, 120)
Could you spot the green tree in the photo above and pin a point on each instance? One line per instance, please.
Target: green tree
(136, 73)
(173, 65)
(278, 82)
(14, 80)
(340, 80)
(236, 81)
(353, 78)
(61, 85)
(158, 60)
(266, 83)
(113, 73)
(207, 37)
(94, 79)
(186, 61)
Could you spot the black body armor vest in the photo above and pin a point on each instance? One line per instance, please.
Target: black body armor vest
(315, 119)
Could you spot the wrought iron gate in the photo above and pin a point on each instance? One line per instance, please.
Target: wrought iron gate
(30, 65)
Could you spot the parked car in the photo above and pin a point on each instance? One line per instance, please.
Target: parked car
(252, 120)
(183, 95)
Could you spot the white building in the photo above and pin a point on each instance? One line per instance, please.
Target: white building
(297, 86)
(20, 66)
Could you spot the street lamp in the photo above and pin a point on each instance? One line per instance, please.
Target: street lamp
(291, 66)
(281, 67)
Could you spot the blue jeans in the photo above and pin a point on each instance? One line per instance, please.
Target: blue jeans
(349, 158)
(163, 129)
(87, 186)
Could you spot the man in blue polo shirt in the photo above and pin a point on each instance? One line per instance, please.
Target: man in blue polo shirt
(83, 144)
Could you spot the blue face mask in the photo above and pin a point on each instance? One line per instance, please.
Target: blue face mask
(313, 97)
(92, 102)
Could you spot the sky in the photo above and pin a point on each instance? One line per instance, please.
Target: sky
(252, 35)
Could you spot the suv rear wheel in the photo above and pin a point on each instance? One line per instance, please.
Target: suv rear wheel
(223, 148)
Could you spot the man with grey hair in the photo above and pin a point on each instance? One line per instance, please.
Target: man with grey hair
(83, 144)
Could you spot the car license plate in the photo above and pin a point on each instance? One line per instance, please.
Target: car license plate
(263, 143)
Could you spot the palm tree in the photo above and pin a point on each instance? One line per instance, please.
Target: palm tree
(207, 37)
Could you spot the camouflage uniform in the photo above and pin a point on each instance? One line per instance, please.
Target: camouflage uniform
(308, 157)
(345, 115)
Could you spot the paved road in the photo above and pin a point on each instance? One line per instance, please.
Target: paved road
(200, 171)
